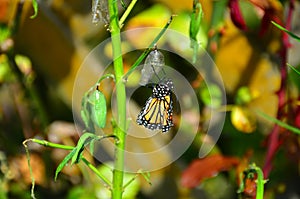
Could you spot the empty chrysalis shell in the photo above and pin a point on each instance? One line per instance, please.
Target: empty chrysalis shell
(100, 11)
(153, 64)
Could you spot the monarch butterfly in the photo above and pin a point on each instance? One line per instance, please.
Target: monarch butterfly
(158, 110)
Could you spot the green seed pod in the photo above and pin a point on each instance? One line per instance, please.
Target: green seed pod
(98, 108)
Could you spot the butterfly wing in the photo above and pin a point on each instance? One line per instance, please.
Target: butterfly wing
(157, 114)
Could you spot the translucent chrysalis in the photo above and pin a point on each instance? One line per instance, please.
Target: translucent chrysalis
(100, 11)
(153, 64)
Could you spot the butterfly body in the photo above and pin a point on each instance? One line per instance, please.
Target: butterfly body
(158, 110)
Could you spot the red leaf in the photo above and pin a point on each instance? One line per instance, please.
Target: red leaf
(201, 169)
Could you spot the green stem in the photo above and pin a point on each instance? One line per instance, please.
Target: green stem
(285, 30)
(31, 89)
(280, 123)
(37, 102)
(147, 51)
(107, 183)
(217, 21)
(260, 183)
(118, 171)
(45, 143)
(127, 12)
(49, 144)
(249, 174)
(293, 68)
(30, 169)
(130, 181)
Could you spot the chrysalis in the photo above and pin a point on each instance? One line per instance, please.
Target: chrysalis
(100, 11)
(153, 64)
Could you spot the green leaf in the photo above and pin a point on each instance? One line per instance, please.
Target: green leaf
(83, 141)
(35, 8)
(77, 152)
(285, 30)
(99, 110)
(64, 162)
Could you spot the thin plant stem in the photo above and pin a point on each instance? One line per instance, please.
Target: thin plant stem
(217, 18)
(147, 51)
(280, 123)
(31, 89)
(107, 183)
(45, 143)
(50, 144)
(260, 183)
(30, 170)
(127, 12)
(275, 141)
(119, 131)
(293, 68)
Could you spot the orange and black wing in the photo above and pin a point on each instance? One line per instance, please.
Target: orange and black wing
(157, 114)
